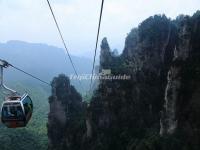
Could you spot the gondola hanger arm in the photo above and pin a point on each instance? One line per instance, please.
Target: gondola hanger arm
(4, 64)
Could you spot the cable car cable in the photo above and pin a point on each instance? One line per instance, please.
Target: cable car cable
(97, 40)
(30, 74)
(63, 41)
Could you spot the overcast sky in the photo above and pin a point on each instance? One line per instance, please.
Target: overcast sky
(31, 21)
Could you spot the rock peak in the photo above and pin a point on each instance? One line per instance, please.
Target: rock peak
(105, 56)
(104, 44)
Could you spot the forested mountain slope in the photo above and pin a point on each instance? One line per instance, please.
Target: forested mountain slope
(41, 60)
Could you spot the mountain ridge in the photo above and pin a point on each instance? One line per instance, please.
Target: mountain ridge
(42, 60)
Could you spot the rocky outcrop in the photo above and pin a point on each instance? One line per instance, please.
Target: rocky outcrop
(124, 110)
(156, 55)
(158, 107)
(65, 130)
(105, 57)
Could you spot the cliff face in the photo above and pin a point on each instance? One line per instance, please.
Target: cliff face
(158, 108)
(65, 120)
(159, 104)
(174, 80)
(123, 111)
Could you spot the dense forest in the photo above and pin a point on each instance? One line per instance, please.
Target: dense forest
(157, 109)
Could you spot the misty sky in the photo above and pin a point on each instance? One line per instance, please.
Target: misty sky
(30, 20)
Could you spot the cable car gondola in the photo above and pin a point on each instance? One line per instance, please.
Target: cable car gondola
(16, 110)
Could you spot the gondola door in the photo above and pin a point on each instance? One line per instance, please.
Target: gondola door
(28, 107)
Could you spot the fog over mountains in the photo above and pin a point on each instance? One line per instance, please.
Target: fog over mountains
(41, 60)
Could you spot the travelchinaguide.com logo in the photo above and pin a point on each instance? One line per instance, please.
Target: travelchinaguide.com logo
(105, 74)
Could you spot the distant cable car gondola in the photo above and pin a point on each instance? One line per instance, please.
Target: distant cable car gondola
(16, 110)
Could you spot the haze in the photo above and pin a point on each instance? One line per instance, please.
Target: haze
(31, 21)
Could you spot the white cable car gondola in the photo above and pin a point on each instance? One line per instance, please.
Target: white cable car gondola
(16, 110)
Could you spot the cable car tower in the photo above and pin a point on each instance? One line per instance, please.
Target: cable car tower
(16, 110)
